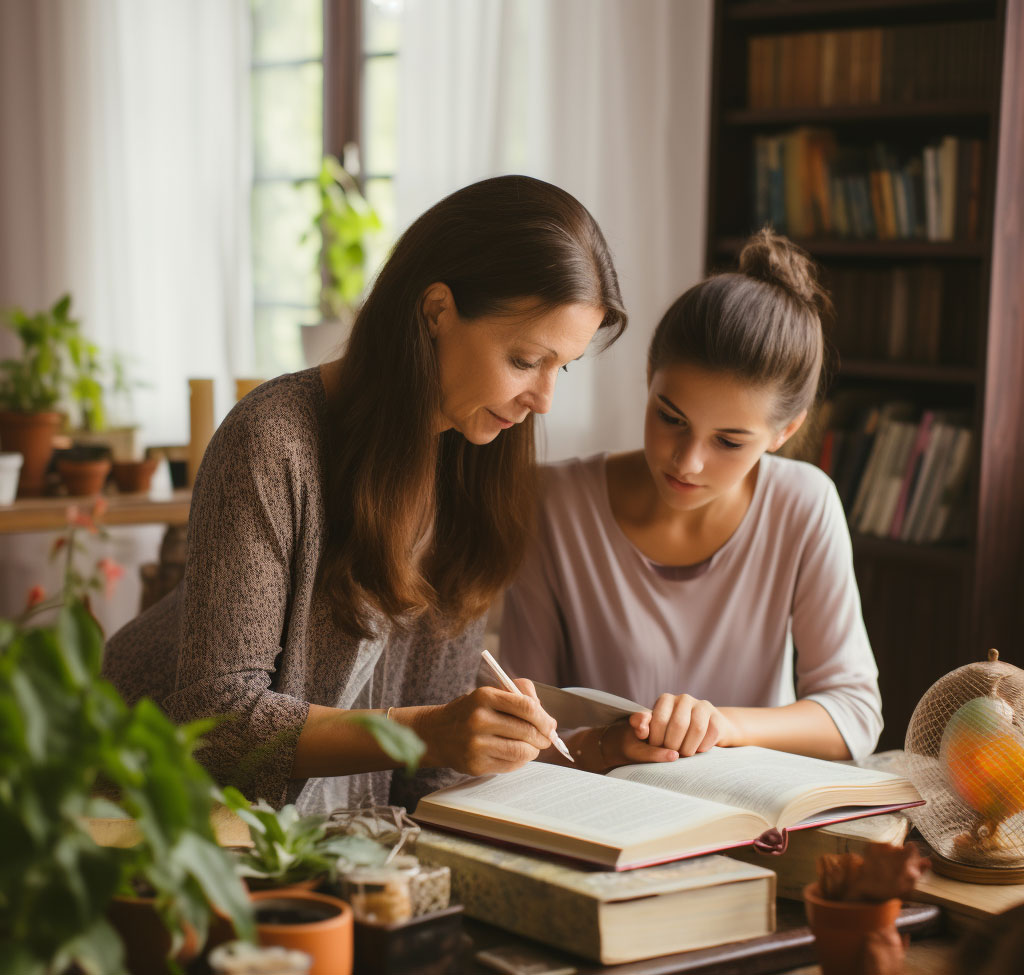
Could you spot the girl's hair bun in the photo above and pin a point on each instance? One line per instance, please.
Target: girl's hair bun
(774, 259)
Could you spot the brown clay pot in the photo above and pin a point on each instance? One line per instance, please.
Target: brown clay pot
(841, 928)
(31, 435)
(145, 939)
(133, 476)
(321, 926)
(83, 478)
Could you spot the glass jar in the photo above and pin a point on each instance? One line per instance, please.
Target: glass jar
(382, 895)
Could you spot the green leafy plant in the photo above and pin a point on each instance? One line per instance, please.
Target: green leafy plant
(343, 222)
(66, 739)
(289, 848)
(58, 366)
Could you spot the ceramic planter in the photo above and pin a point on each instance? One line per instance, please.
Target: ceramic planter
(31, 435)
(841, 928)
(317, 924)
(83, 478)
(134, 476)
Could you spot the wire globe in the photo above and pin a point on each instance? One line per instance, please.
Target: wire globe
(965, 754)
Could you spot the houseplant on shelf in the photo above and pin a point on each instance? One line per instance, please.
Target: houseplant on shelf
(64, 731)
(343, 222)
(57, 369)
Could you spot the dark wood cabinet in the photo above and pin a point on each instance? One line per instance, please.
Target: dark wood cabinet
(876, 75)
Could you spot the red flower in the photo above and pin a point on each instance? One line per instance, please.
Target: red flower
(111, 573)
(58, 544)
(99, 508)
(35, 596)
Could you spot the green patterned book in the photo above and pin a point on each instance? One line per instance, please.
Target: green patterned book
(604, 915)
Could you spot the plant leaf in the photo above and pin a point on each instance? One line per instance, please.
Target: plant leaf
(395, 740)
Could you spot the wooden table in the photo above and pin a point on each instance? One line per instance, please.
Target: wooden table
(49, 514)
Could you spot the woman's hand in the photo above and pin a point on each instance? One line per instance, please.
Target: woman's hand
(487, 730)
(684, 724)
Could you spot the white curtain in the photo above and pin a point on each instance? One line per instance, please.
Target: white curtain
(125, 179)
(606, 98)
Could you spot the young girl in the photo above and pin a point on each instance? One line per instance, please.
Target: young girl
(698, 573)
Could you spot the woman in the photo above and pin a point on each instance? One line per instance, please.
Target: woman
(351, 524)
(686, 574)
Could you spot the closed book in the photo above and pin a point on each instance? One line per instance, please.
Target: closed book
(605, 916)
(931, 480)
(948, 153)
(942, 525)
(913, 471)
(855, 457)
(797, 867)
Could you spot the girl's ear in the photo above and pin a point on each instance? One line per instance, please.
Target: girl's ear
(786, 432)
(437, 300)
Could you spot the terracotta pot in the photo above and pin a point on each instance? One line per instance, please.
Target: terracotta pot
(321, 927)
(134, 476)
(145, 939)
(31, 435)
(83, 478)
(842, 927)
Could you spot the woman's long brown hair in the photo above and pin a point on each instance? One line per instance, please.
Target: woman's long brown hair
(391, 480)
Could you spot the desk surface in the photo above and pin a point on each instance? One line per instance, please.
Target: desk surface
(790, 950)
(49, 514)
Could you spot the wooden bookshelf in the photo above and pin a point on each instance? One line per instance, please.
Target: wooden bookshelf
(928, 607)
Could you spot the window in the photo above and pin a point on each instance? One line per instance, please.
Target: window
(381, 36)
(300, 50)
(287, 98)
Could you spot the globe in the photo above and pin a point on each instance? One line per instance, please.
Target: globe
(964, 752)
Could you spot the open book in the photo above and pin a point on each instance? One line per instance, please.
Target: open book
(639, 815)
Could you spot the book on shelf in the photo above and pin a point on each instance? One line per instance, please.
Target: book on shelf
(638, 815)
(605, 916)
(907, 471)
(879, 463)
(870, 66)
(798, 865)
(807, 184)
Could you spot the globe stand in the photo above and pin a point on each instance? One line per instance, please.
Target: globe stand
(971, 874)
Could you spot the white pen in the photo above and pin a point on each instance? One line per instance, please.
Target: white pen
(508, 684)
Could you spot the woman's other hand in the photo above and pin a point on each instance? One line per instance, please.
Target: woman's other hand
(684, 724)
(486, 730)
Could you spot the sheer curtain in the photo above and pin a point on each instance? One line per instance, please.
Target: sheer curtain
(607, 98)
(125, 179)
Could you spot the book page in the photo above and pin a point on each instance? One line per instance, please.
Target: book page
(583, 707)
(569, 801)
(758, 779)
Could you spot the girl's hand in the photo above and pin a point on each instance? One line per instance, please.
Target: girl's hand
(487, 730)
(684, 724)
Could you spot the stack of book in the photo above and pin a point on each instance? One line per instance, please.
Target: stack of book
(868, 66)
(808, 185)
(901, 474)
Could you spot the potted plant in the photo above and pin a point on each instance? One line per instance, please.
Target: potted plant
(56, 368)
(853, 906)
(293, 854)
(343, 221)
(64, 732)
